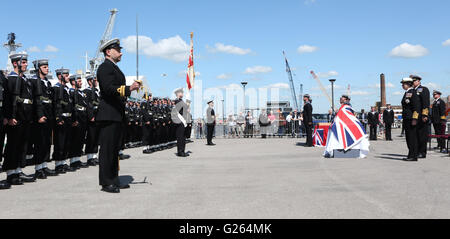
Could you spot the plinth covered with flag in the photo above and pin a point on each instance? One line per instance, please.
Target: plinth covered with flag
(346, 133)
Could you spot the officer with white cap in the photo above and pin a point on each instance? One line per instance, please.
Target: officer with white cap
(179, 118)
(111, 114)
(410, 115)
(210, 122)
(422, 124)
(438, 117)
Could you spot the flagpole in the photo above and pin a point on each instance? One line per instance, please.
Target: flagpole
(191, 59)
(137, 49)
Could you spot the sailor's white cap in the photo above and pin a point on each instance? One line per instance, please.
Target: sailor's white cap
(113, 43)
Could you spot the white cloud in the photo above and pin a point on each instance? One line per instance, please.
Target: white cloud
(229, 49)
(432, 85)
(50, 48)
(307, 49)
(407, 50)
(172, 48)
(359, 93)
(258, 69)
(397, 93)
(34, 49)
(377, 86)
(278, 85)
(327, 74)
(446, 43)
(224, 76)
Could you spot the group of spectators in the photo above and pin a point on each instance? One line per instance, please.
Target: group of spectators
(248, 126)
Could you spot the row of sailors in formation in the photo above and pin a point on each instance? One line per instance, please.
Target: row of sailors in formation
(36, 115)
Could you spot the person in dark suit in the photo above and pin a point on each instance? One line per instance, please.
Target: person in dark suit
(307, 119)
(438, 117)
(373, 121)
(422, 125)
(111, 115)
(410, 115)
(388, 120)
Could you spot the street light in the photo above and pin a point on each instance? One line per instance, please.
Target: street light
(332, 93)
(223, 117)
(244, 84)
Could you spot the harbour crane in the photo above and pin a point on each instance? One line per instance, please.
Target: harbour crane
(324, 90)
(99, 58)
(291, 82)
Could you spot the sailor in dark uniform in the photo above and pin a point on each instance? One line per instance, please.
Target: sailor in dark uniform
(179, 115)
(308, 120)
(388, 120)
(22, 98)
(78, 134)
(3, 123)
(111, 115)
(410, 115)
(93, 100)
(210, 123)
(63, 122)
(438, 117)
(147, 125)
(43, 127)
(422, 125)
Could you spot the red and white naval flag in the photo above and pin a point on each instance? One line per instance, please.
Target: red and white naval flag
(190, 72)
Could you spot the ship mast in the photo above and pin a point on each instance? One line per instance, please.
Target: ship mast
(11, 46)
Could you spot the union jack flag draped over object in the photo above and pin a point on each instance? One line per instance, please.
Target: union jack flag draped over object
(347, 133)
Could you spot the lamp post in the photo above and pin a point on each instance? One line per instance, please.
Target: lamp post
(223, 117)
(332, 93)
(244, 84)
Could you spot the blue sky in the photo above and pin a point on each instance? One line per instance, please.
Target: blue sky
(352, 41)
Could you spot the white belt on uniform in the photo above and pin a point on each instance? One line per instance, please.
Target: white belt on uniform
(27, 101)
(67, 114)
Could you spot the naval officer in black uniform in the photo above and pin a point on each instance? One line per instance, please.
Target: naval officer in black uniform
(179, 116)
(111, 115)
(438, 117)
(210, 123)
(422, 124)
(410, 115)
(308, 120)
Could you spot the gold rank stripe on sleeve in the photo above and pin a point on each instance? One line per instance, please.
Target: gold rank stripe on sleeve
(443, 117)
(121, 91)
(415, 115)
(425, 112)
